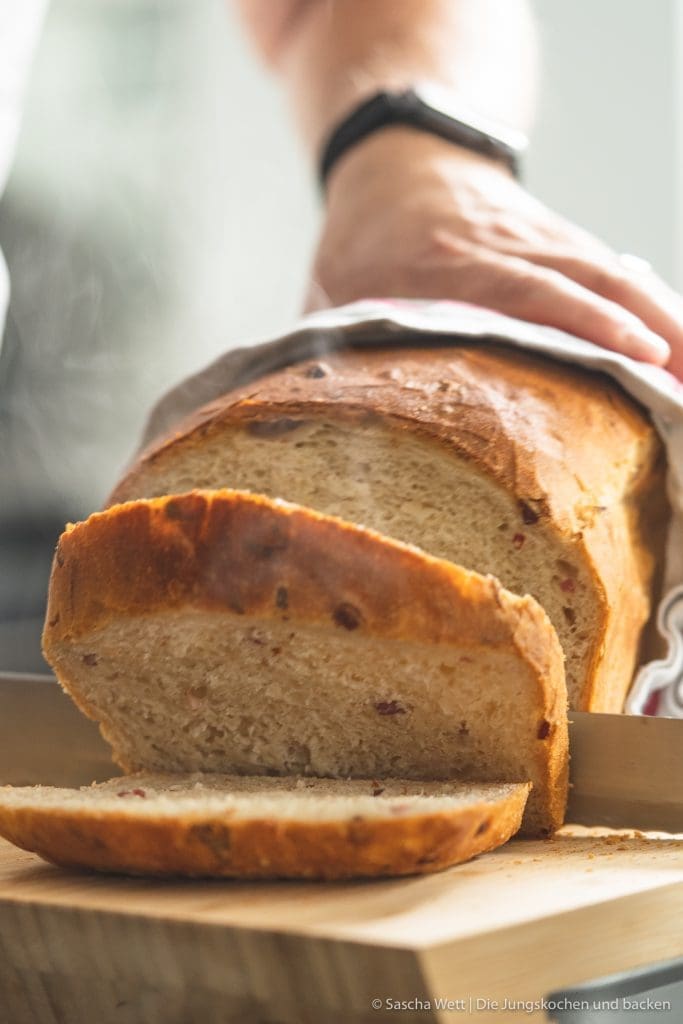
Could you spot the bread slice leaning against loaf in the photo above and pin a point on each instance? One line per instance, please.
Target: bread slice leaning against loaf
(231, 826)
(545, 475)
(224, 632)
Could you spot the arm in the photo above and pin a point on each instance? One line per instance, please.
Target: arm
(411, 215)
(333, 53)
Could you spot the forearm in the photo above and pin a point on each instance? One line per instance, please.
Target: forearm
(333, 53)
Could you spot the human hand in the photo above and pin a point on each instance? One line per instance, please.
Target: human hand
(413, 216)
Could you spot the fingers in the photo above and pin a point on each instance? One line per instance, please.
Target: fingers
(642, 293)
(544, 295)
(552, 298)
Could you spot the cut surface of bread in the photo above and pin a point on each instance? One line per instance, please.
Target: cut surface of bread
(232, 826)
(224, 632)
(544, 475)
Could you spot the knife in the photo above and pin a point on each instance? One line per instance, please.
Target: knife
(626, 770)
(44, 738)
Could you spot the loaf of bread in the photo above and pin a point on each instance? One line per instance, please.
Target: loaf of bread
(224, 632)
(546, 476)
(228, 826)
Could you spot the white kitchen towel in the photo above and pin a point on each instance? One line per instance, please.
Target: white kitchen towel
(374, 322)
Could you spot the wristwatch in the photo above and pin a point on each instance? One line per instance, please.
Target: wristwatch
(430, 108)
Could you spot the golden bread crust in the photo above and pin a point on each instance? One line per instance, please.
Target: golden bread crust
(234, 551)
(204, 845)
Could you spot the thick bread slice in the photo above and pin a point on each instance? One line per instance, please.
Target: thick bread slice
(237, 827)
(546, 476)
(223, 632)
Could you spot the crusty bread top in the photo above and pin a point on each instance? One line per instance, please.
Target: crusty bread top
(232, 826)
(226, 549)
(539, 427)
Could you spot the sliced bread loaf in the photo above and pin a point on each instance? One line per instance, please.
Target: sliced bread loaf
(237, 827)
(224, 632)
(547, 476)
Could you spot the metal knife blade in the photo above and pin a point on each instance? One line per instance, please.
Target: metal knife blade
(45, 739)
(626, 771)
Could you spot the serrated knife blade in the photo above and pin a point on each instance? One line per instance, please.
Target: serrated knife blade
(45, 739)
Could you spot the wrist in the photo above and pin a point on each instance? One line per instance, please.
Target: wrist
(390, 156)
(432, 109)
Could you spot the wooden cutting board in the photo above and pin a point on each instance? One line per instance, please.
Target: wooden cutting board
(532, 918)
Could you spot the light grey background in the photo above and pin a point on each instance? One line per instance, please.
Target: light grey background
(160, 208)
(607, 145)
(159, 211)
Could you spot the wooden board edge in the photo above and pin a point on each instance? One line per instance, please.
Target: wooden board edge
(527, 961)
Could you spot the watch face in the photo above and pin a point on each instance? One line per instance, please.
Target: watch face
(448, 103)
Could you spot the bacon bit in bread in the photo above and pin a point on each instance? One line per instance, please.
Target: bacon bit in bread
(389, 707)
(347, 615)
(518, 541)
(529, 515)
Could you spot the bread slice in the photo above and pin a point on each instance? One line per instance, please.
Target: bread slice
(223, 632)
(547, 476)
(237, 827)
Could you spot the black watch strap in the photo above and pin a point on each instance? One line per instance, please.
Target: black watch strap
(411, 108)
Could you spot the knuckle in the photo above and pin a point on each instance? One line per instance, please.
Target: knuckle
(443, 245)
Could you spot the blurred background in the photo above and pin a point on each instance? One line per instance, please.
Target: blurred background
(160, 211)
